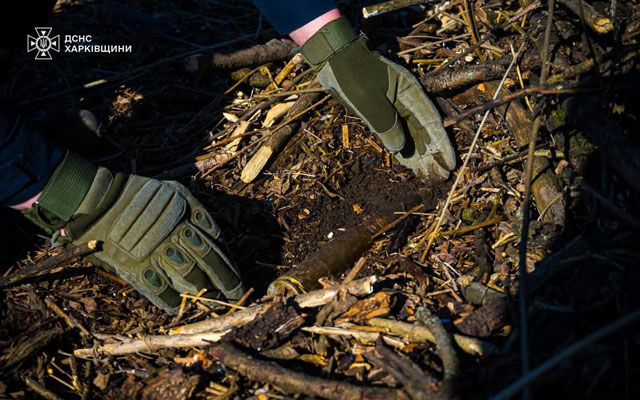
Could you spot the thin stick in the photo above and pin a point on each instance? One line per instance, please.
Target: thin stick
(389, 6)
(50, 263)
(467, 229)
(543, 368)
(244, 78)
(287, 93)
(355, 270)
(398, 220)
(111, 277)
(41, 390)
(507, 99)
(506, 160)
(490, 35)
(290, 381)
(241, 301)
(522, 264)
(200, 298)
(466, 162)
(69, 320)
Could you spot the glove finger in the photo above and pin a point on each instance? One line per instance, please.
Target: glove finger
(153, 283)
(211, 261)
(180, 267)
(201, 244)
(192, 262)
(199, 215)
(423, 120)
(393, 138)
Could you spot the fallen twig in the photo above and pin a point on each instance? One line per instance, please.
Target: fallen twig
(418, 384)
(68, 319)
(507, 99)
(279, 137)
(151, 343)
(296, 382)
(389, 6)
(444, 348)
(421, 333)
(50, 263)
(522, 263)
(41, 390)
(596, 21)
(273, 50)
(359, 287)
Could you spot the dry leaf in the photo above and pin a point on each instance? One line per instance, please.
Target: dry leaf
(101, 380)
(375, 306)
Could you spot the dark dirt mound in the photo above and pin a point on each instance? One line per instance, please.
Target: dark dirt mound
(367, 191)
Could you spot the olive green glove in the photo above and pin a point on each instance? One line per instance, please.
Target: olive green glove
(385, 95)
(155, 234)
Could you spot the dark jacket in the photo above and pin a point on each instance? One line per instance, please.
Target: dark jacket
(27, 159)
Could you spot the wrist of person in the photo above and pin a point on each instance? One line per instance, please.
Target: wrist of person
(302, 34)
(27, 204)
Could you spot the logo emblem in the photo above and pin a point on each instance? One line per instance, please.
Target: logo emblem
(43, 43)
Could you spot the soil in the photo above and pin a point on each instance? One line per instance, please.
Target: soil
(367, 192)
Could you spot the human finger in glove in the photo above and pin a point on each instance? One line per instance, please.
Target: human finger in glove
(385, 95)
(155, 234)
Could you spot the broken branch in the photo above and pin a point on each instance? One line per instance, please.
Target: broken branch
(296, 382)
(273, 50)
(50, 263)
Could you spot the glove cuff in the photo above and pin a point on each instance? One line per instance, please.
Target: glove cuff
(330, 39)
(63, 194)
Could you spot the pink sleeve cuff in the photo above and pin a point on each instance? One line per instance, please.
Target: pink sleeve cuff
(27, 204)
(302, 34)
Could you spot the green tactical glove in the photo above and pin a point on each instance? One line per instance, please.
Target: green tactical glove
(155, 234)
(385, 95)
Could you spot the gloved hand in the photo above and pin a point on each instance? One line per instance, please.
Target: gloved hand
(155, 234)
(385, 95)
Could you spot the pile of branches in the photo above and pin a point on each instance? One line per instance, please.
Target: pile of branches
(517, 275)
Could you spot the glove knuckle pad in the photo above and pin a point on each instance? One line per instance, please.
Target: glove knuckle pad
(201, 218)
(180, 268)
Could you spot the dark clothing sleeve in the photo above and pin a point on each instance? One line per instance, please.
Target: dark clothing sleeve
(27, 159)
(288, 15)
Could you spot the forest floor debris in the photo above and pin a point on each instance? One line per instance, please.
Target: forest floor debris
(425, 305)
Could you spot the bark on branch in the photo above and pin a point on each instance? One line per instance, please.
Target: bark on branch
(50, 263)
(274, 50)
(297, 382)
(596, 21)
(205, 332)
